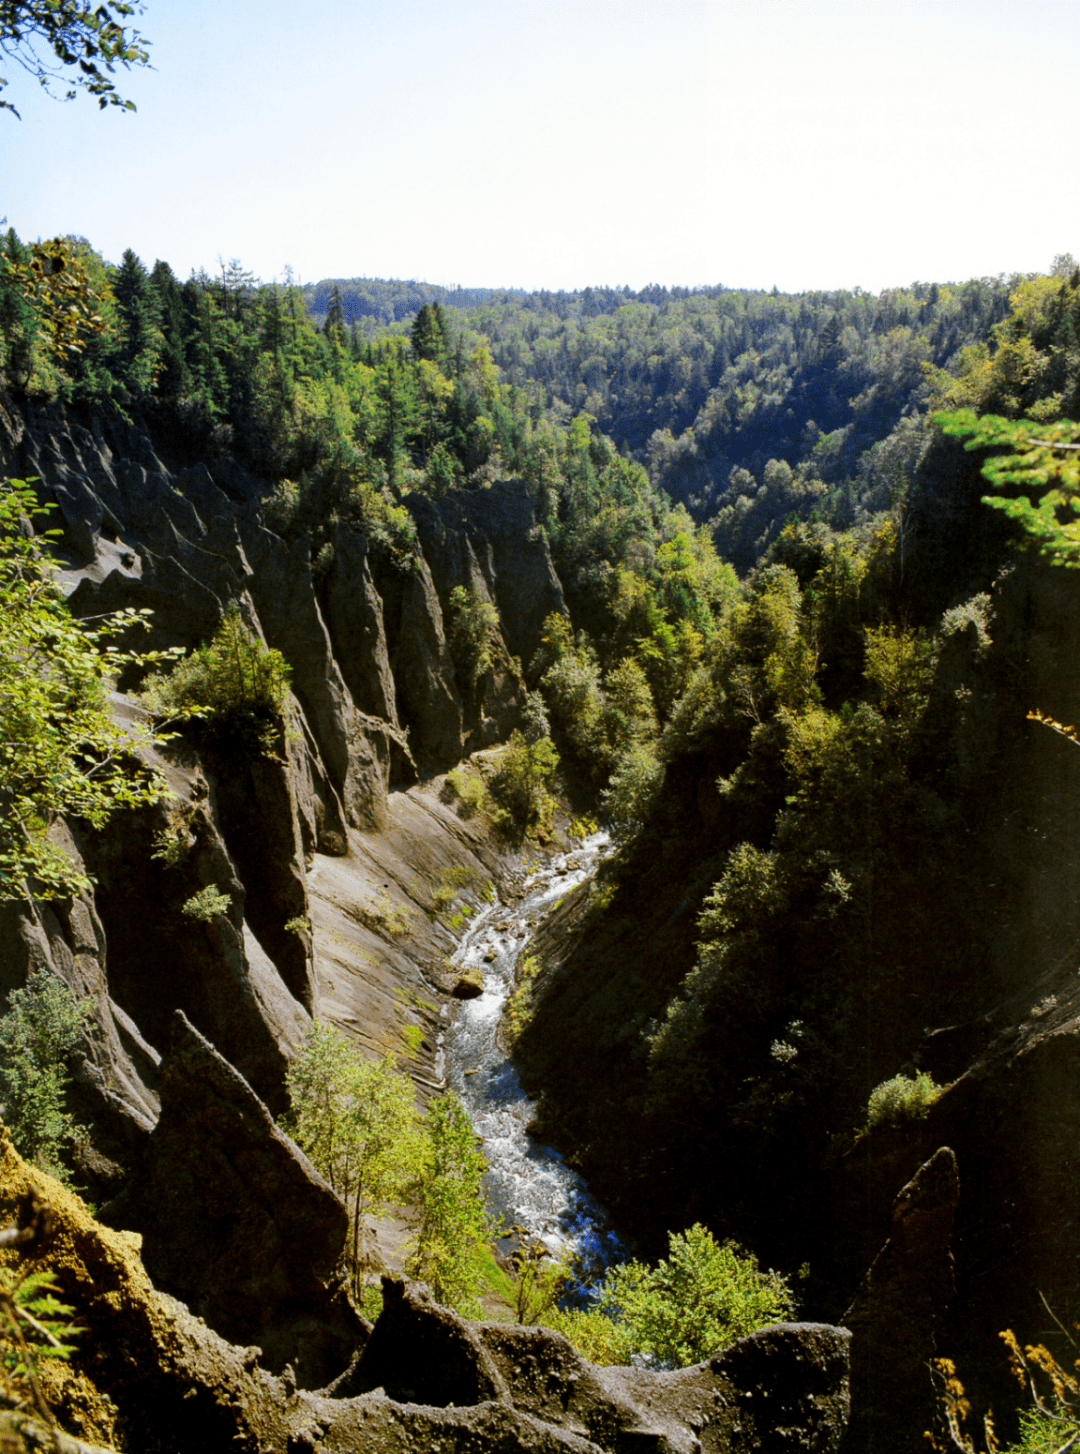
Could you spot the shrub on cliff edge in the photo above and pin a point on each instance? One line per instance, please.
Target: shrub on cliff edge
(702, 1297)
(901, 1099)
(234, 681)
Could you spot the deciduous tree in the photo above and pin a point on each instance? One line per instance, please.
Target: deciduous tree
(357, 1120)
(73, 44)
(452, 1219)
(61, 752)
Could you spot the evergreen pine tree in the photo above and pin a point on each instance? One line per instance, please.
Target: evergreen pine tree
(139, 344)
(173, 376)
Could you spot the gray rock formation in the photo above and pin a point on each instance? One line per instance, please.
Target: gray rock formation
(784, 1389)
(160, 957)
(420, 1352)
(892, 1319)
(116, 1068)
(354, 748)
(235, 1220)
(487, 541)
(491, 535)
(260, 822)
(427, 694)
(354, 615)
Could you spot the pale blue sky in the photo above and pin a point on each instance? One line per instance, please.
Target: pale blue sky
(561, 143)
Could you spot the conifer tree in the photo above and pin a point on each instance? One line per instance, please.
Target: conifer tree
(430, 336)
(139, 346)
(173, 378)
(335, 316)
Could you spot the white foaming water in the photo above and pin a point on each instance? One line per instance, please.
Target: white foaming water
(526, 1184)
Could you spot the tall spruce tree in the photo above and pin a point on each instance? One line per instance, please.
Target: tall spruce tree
(139, 345)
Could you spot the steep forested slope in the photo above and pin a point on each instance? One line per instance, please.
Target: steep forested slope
(860, 864)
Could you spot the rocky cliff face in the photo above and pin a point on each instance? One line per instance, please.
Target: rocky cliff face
(375, 704)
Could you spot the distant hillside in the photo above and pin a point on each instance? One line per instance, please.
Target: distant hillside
(391, 300)
(385, 300)
(746, 406)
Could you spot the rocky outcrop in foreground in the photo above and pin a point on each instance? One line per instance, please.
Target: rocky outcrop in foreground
(151, 1377)
(236, 1221)
(896, 1313)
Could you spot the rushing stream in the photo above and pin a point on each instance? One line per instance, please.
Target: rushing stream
(527, 1184)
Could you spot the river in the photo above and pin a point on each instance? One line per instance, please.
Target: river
(527, 1184)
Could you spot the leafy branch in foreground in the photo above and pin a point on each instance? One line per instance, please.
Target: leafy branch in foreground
(89, 40)
(55, 283)
(1050, 1426)
(1068, 732)
(61, 751)
(1035, 456)
(33, 1322)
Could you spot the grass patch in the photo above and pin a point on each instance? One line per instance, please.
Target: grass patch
(451, 884)
(496, 1290)
(383, 917)
(411, 1038)
(413, 999)
(601, 895)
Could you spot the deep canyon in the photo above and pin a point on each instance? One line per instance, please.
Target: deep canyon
(348, 828)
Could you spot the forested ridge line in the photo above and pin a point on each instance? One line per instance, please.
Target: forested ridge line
(747, 406)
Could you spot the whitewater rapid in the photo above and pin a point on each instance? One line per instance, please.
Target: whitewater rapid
(527, 1184)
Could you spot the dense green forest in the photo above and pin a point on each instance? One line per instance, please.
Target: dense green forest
(834, 852)
(745, 406)
(341, 428)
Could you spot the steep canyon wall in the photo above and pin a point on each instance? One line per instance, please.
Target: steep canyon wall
(375, 705)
